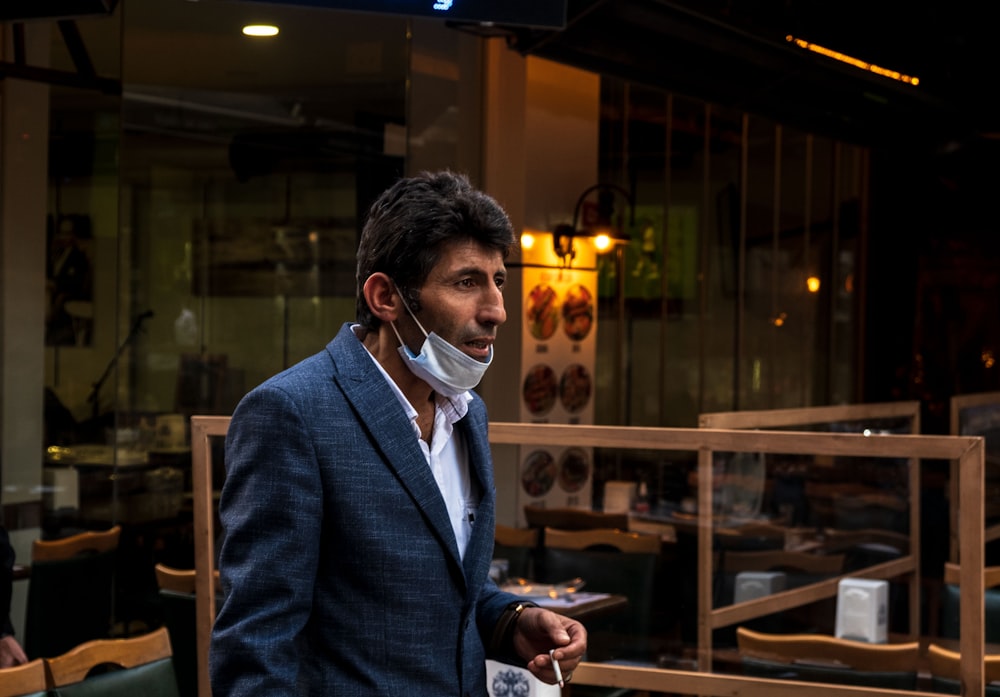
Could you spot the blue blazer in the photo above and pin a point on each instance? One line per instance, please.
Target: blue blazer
(340, 567)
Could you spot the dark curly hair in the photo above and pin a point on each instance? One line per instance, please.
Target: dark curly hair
(408, 223)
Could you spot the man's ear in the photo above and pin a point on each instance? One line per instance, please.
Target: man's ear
(382, 298)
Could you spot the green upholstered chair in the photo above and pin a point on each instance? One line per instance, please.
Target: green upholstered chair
(177, 600)
(610, 561)
(27, 680)
(70, 592)
(951, 593)
(141, 665)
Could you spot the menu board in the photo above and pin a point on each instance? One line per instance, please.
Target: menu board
(559, 329)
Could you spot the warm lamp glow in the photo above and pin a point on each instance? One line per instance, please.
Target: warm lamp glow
(527, 240)
(603, 242)
(812, 283)
(260, 30)
(600, 225)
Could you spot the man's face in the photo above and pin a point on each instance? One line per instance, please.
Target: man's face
(462, 300)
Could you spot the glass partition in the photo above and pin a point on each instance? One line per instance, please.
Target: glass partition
(978, 415)
(833, 515)
(682, 586)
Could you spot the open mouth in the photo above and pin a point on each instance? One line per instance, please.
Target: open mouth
(479, 349)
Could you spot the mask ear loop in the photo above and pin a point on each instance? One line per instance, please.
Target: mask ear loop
(406, 305)
(396, 332)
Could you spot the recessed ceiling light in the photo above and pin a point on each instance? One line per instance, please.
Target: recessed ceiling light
(260, 30)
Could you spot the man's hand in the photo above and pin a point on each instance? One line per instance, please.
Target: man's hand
(538, 631)
(11, 653)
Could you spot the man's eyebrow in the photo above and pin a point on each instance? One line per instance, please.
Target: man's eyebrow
(477, 271)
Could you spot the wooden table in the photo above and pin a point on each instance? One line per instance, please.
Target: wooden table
(583, 606)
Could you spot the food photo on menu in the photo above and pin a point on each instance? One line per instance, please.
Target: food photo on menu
(539, 389)
(574, 388)
(577, 312)
(539, 473)
(542, 313)
(574, 470)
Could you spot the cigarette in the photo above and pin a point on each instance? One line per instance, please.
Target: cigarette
(555, 667)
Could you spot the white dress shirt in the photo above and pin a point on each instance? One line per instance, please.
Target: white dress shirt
(447, 456)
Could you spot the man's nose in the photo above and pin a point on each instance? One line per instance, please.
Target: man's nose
(492, 311)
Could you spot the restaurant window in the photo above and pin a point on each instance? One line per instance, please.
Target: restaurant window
(737, 289)
(217, 201)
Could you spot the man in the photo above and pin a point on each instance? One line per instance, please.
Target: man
(69, 278)
(11, 653)
(358, 508)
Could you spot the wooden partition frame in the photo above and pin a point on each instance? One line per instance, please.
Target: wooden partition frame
(203, 429)
(958, 404)
(969, 451)
(810, 416)
(907, 567)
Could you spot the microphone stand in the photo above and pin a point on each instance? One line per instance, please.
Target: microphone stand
(95, 391)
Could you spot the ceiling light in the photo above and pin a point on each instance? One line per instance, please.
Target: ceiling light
(260, 30)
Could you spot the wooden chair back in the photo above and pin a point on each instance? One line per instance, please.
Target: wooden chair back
(779, 559)
(839, 540)
(178, 580)
(945, 663)
(602, 538)
(81, 543)
(144, 666)
(566, 518)
(752, 536)
(952, 575)
(26, 680)
(516, 537)
(821, 648)
(519, 546)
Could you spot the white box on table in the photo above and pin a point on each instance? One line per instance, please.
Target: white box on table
(863, 610)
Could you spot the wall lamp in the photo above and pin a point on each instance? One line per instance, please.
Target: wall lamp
(597, 222)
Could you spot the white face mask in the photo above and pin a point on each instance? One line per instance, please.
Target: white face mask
(448, 370)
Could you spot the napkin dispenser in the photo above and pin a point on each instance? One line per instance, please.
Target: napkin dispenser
(619, 496)
(751, 585)
(863, 610)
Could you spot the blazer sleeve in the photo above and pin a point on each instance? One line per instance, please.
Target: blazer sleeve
(492, 604)
(271, 514)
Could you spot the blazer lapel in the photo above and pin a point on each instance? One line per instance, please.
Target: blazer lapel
(383, 417)
(480, 550)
